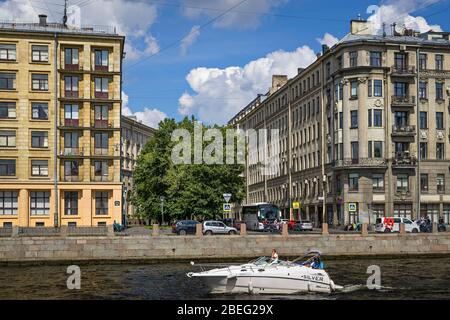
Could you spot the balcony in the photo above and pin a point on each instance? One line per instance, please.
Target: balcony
(72, 179)
(71, 152)
(403, 101)
(101, 95)
(403, 70)
(72, 67)
(102, 152)
(101, 179)
(403, 131)
(71, 94)
(359, 163)
(75, 123)
(102, 124)
(404, 160)
(101, 68)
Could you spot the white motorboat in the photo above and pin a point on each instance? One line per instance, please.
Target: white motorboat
(265, 276)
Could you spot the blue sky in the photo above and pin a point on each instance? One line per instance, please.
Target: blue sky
(154, 85)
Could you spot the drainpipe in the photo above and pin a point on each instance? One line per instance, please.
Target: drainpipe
(55, 142)
(418, 136)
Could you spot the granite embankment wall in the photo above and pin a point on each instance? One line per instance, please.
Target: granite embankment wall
(160, 248)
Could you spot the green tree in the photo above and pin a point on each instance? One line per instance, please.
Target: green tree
(189, 189)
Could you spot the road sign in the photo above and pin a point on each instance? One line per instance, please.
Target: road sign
(226, 207)
(295, 205)
(227, 197)
(352, 207)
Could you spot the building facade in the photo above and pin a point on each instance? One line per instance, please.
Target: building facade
(364, 131)
(60, 106)
(135, 135)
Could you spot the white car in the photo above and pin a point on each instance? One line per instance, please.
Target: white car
(392, 224)
(217, 227)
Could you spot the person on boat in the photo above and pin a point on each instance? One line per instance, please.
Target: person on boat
(274, 256)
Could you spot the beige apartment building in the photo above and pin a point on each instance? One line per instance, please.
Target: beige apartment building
(135, 135)
(60, 106)
(364, 131)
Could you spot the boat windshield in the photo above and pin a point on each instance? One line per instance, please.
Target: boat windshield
(260, 261)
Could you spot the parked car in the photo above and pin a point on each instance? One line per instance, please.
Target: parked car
(184, 227)
(304, 225)
(217, 227)
(233, 223)
(389, 224)
(292, 224)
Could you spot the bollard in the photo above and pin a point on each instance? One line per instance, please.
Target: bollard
(364, 230)
(402, 228)
(199, 229)
(155, 230)
(284, 230)
(325, 229)
(243, 230)
(435, 227)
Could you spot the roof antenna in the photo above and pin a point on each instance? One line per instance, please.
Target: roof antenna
(65, 14)
(359, 17)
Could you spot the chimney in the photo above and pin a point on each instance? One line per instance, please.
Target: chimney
(325, 48)
(360, 27)
(299, 70)
(277, 82)
(42, 20)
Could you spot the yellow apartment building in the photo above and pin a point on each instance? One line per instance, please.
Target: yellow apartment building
(60, 107)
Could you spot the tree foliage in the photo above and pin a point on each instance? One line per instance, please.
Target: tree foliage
(188, 189)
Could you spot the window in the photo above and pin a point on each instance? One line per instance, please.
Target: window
(71, 115)
(341, 120)
(7, 139)
(39, 139)
(440, 182)
(7, 81)
(7, 167)
(422, 90)
(401, 118)
(377, 149)
(400, 89)
(355, 150)
(70, 203)
(424, 182)
(71, 57)
(423, 150)
(402, 210)
(7, 52)
(101, 170)
(101, 85)
(353, 181)
(328, 71)
(402, 182)
(422, 61)
(39, 203)
(439, 91)
(378, 181)
(101, 143)
(353, 59)
(440, 154)
(8, 202)
(7, 110)
(39, 53)
(71, 224)
(440, 120)
(39, 168)
(439, 58)
(375, 59)
(101, 116)
(71, 86)
(370, 88)
(39, 111)
(101, 59)
(400, 61)
(354, 119)
(39, 82)
(70, 140)
(101, 203)
(423, 120)
(377, 118)
(377, 88)
(354, 89)
(71, 170)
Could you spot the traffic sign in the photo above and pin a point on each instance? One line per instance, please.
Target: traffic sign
(295, 205)
(227, 207)
(352, 207)
(227, 197)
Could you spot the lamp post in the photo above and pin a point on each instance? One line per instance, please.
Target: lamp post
(162, 209)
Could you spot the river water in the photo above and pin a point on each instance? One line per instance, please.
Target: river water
(402, 278)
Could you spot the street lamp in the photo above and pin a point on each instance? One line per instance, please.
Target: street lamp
(162, 209)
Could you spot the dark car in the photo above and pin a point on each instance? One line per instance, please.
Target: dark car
(184, 227)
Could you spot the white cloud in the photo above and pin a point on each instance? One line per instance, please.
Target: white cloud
(189, 39)
(242, 16)
(150, 117)
(328, 39)
(131, 18)
(221, 93)
(399, 12)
